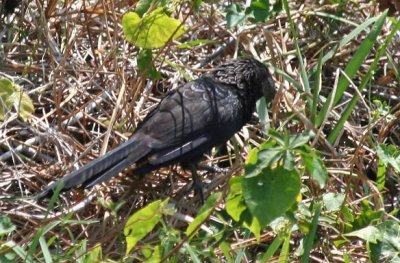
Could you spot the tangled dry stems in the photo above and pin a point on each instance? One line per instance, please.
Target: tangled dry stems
(88, 94)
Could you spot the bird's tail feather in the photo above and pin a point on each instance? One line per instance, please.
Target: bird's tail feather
(102, 168)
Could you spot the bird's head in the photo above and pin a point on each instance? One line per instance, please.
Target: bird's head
(248, 75)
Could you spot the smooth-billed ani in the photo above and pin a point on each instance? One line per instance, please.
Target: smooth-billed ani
(188, 122)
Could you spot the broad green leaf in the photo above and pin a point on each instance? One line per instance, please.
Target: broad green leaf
(152, 254)
(235, 204)
(253, 225)
(271, 193)
(260, 10)
(265, 159)
(278, 137)
(347, 214)
(6, 226)
(277, 7)
(8, 257)
(252, 157)
(23, 104)
(95, 254)
(367, 216)
(204, 212)
(288, 160)
(142, 223)
(389, 154)
(235, 15)
(315, 166)
(237, 208)
(333, 201)
(14, 251)
(11, 95)
(6, 90)
(369, 233)
(197, 4)
(300, 139)
(387, 249)
(151, 31)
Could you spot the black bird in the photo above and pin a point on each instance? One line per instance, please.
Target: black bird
(188, 122)
(9, 6)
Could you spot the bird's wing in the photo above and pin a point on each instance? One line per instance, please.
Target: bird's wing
(185, 124)
(190, 121)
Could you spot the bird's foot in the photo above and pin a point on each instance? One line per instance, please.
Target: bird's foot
(198, 187)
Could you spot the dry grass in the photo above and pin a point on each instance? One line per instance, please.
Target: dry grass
(73, 60)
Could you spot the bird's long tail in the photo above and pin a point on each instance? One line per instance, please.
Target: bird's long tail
(102, 168)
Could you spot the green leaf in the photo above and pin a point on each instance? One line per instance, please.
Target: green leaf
(234, 15)
(277, 8)
(45, 249)
(226, 250)
(252, 223)
(235, 204)
(346, 39)
(151, 31)
(300, 139)
(272, 249)
(284, 255)
(260, 10)
(95, 254)
(265, 159)
(8, 257)
(362, 52)
(146, 65)
(152, 254)
(6, 226)
(333, 202)
(204, 212)
(142, 6)
(196, 42)
(315, 166)
(23, 104)
(271, 193)
(6, 90)
(389, 154)
(369, 233)
(381, 175)
(309, 239)
(14, 251)
(142, 222)
(237, 208)
(12, 95)
(388, 248)
(197, 4)
(367, 216)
